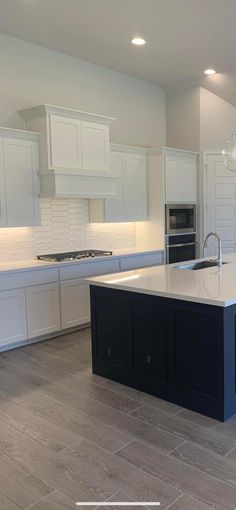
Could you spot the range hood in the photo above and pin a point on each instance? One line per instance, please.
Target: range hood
(74, 152)
(71, 184)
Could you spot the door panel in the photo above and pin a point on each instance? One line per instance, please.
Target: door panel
(220, 208)
(12, 316)
(112, 330)
(66, 148)
(95, 144)
(115, 209)
(75, 303)
(150, 340)
(180, 179)
(21, 182)
(2, 188)
(43, 309)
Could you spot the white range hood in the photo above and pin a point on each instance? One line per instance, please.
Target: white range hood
(74, 152)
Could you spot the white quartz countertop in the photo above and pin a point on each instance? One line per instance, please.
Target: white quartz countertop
(32, 264)
(212, 286)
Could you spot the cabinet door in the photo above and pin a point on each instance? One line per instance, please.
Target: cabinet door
(135, 188)
(2, 188)
(95, 147)
(115, 206)
(111, 323)
(66, 150)
(180, 179)
(75, 303)
(150, 340)
(43, 309)
(21, 182)
(12, 316)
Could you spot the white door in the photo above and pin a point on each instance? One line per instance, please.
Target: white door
(75, 303)
(21, 182)
(135, 186)
(115, 206)
(43, 309)
(220, 204)
(66, 148)
(2, 188)
(180, 179)
(95, 147)
(12, 316)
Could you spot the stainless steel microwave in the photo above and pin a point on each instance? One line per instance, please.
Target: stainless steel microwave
(180, 218)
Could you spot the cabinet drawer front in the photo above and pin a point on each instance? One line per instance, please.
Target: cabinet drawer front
(28, 278)
(89, 269)
(75, 303)
(12, 317)
(43, 309)
(150, 259)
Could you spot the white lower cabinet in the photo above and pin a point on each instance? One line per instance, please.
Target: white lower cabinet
(12, 316)
(43, 309)
(75, 303)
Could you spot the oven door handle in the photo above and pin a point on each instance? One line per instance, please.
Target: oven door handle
(179, 245)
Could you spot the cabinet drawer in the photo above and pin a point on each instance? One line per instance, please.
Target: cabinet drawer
(27, 278)
(89, 269)
(150, 259)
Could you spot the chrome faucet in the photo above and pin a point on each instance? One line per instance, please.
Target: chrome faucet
(219, 257)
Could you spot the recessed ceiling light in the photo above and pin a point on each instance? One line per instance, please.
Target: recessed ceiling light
(210, 71)
(138, 41)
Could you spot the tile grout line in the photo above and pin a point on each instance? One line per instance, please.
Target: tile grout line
(124, 446)
(39, 500)
(176, 448)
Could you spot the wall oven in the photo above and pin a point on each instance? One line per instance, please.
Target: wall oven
(180, 248)
(180, 219)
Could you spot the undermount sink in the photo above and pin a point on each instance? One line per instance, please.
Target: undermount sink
(199, 265)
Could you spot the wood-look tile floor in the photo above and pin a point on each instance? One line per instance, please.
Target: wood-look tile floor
(67, 435)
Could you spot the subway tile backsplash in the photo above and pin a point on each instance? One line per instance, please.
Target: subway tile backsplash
(65, 226)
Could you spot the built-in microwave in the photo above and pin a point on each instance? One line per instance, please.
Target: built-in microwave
(180, 219)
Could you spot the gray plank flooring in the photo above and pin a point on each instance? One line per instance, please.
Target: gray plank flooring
(67, 435)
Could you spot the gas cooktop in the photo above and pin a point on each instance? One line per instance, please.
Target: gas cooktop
(73, 255)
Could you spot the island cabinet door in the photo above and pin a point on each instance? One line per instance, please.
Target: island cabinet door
(110, 323)
(150, 334)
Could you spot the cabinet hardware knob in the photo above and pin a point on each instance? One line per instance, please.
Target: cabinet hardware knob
(148, 359)
(108, 351)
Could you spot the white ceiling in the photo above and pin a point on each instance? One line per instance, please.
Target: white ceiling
(183, 36)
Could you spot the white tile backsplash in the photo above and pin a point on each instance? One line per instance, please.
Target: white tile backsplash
(65, 226)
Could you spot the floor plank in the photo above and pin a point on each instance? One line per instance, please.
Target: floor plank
(212, 464)
(207, 489)
(188, 503)
(211, 440)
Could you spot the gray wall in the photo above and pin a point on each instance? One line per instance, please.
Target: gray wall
(183, 119)
(32, 75)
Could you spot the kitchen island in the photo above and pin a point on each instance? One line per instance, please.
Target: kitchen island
(170, 332)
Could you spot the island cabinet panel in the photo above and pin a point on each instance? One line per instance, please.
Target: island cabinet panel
(150, 335)
(195, 336)
(180, 351)
(111, 324)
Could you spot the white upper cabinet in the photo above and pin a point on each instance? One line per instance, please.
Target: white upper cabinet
(19, 181)
(74, 152)
(128, 166)
(180, 177)
(66, 149)
(95, 147)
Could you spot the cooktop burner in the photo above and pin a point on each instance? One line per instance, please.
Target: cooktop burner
(73, 255)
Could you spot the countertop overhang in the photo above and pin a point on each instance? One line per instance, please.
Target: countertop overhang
(212, 286)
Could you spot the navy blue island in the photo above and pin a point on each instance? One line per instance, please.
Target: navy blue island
(169, 331)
